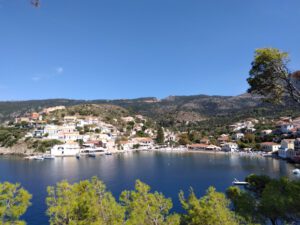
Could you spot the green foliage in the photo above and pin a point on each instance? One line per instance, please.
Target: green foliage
(84, 203)
(160, 138)
(269, 74)
(212, 209)
(141, 133)
(10, 136)
(184, 139)
(43, 145)
(276, 200)
(257, 183)
(14, 201)
(244, 204)
(143, 207)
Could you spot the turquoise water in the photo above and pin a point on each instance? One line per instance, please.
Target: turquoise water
(164, 172)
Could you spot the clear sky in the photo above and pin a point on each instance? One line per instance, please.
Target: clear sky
(108, 49)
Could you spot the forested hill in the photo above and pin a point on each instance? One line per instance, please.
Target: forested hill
(171, 110)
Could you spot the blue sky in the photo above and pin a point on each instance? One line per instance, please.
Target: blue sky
(108, 49)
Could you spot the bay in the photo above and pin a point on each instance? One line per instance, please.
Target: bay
(164, 172)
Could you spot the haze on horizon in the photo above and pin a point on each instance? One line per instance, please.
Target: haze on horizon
(138, 48)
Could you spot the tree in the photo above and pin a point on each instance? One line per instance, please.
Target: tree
(84, 203)
(212, 209)
(14, 201)
(143, 207)
(160, 138)
(271, 78)
(277, 201)
(244, 204)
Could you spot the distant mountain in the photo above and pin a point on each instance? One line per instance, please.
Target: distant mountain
(169, 111)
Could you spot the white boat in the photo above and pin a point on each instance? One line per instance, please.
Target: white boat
(78, 155)
(48, 156)
(108, 153)
(237, 182)
(38, 157)
(296, 171)
(92, 154)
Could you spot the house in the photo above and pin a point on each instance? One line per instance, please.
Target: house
(51, 131)
(223, 139)
(204, 141)
(65, 150)
(128, 119)
(269, 146)
(286, 128)
(238, 136)
(266, 132)
(22, 119)
(143, 142)
(35, 116)
(286, 149)
(297, 145)
(230, 147)
(70, 119)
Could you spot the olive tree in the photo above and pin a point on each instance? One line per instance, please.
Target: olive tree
(271, 78)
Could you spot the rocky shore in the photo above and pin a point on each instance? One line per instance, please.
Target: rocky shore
(18, 149)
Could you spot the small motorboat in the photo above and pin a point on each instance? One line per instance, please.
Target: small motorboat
(108, 153)
(78, 155)
(296, 171)
(38, 158)
(48, 156)
(237, 182)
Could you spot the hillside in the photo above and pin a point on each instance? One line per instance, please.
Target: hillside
(171, 111)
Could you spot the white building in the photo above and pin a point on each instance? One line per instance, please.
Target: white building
(286, 128)
(238, 136)
(286, 149)
(269, 146)
(65, 150)
(230, 147)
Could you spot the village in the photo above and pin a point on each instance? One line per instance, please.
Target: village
(89, 135)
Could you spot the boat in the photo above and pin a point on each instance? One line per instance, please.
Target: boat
(108, 153)
(237, 182)
(92, 154)
(38, 158)
(78, 155)
(48, 156)
(296, 171)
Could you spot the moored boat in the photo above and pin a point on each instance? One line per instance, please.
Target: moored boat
(237, 182)
(92, 154)
(48, 156)
(296, 171)
(38, 157)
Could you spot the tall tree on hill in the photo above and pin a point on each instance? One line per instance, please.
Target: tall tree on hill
(271, 78)
(160, 138)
